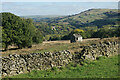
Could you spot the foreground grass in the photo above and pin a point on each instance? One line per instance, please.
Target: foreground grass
(101, 68)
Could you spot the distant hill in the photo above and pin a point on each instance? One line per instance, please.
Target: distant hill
(41, 17)
(91, 20)
(91, 17)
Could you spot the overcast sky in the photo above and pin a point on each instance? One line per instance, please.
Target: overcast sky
(59, 0)
(53, 8)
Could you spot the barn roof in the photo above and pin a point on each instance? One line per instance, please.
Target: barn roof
(77, 35)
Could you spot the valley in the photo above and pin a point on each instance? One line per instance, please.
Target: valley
(56, 46)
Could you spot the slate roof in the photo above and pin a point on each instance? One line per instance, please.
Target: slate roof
(77, 35)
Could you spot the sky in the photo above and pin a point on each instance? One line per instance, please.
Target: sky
(53, 8)
(59, 0)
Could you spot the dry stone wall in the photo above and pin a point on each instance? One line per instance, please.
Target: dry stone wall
(101, 49)
(94, 51)
(16, 64)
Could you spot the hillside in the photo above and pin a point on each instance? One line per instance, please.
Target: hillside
(25, 53)
(92, 19)
(38, 18)
(87, 16)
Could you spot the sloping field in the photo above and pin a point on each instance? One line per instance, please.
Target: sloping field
(52, 46)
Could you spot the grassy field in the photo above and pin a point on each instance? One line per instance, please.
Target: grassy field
(52, 46)
(47, 46)
(104, 67)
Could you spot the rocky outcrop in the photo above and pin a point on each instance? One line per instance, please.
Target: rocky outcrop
(16, 64)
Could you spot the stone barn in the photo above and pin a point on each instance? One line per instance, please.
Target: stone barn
(76, 38)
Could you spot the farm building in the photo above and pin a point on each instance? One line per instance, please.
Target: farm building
(76, 38)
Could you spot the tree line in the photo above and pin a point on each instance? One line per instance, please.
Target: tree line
(100, 33)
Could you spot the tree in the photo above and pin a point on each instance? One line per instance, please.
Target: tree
(16, 30)
(38, 38)
(78, 31)
(9, 28)
(104, 33)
